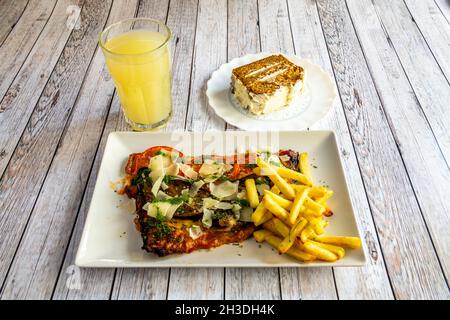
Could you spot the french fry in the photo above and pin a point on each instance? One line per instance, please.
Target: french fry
(307, 232)
(284, 203)
(252, 193)
(260, 235)
(319, 252)
(266, 217)
(280, 227)
(258, 213)
(303, 165)
(291, 174)
(271, 205)
(315, 207)
(293, 233)
(294, 252)
(297, 204)
(318, 225)
(282, 184)
(339, 251)
(346, 242)
(270, 226)
(317, 192)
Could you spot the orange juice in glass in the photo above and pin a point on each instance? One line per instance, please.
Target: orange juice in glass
(138, 59)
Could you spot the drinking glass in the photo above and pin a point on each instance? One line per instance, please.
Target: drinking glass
(138, 58)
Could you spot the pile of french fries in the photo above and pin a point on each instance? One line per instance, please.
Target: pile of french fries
(292, 214)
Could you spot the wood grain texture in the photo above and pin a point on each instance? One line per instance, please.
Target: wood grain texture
(243, 38)
(444, 7)
(10, 13)
(31, 162)
(412, 133)
(22, 39)
(307, 284)
(275, 30)
(182, 20)
(93, 283)
(276, 36)
(397, 214)
(55, 212)
(146, 283)
(20, 97)
(389, 59)
(370, 282)
(210, 52)
(426, 77)
(434, 28)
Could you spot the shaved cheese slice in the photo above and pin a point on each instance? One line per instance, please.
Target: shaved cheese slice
(164, 186)
(157, 185)
(246, 214)
(212, 170)
(195, 231)
(209, 203)
(261, 188)
(207, 217)
(285, 157)
(223, 206)
(172, 169)
(196, 187)
(162, 195)
(236, 210)
(188, 171)
(224, 190)
(165, 208)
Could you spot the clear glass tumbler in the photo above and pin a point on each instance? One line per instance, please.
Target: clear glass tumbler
(137, 54)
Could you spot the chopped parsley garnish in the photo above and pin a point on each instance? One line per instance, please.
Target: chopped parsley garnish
(167, 179)
(261, 180)
(142, 177)
(174, 200)
(159, 152)
(243, 202)
(162, 228)
(224, 178)
(251, 165)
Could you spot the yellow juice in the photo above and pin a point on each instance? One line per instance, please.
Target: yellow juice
(140, 68)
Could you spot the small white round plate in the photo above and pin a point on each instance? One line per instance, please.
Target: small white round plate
(315, 102)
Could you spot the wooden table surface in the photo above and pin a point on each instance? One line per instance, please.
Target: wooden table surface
(391, 64)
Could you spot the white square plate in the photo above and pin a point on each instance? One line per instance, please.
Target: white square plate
(110, 240)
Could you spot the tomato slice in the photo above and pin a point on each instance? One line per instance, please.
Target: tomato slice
(140, 160)
(235, 173)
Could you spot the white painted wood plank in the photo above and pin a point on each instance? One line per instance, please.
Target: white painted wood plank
(307, 284)
(275, 34)
(391, 197)
(274, 27)
(243, 38)
(434, 28)
(19, 100)
(209, 53)
(14, 51)
(10, 13)
(413, 135)
(91, 283)
(252, 283)
(40, 255)
(181, 18)
(141, 284)
(426, 78)
(444, 7)
(370, 282)
(40, 246)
